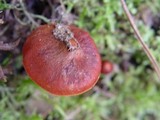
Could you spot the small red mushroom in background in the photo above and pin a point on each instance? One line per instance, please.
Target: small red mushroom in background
(63, 65)
(107, 67)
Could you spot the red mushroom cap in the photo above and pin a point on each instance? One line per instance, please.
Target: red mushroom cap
(107, 67)
(59, 71)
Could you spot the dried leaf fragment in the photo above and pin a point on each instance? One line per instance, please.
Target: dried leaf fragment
(9, 46)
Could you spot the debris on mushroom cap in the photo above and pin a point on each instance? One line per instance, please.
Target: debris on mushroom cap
(63, 33)
(59, 71)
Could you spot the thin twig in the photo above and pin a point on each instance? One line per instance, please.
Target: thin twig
(4, 30)
(140, 39)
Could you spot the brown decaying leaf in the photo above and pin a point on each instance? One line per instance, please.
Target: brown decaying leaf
(9, 46)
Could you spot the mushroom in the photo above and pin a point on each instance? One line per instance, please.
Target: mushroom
(51, 62)
(107, 67)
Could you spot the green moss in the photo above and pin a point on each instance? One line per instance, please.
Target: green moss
(134, 93)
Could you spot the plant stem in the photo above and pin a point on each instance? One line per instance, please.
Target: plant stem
(46, 20)
(28, 14)
(140, 39)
